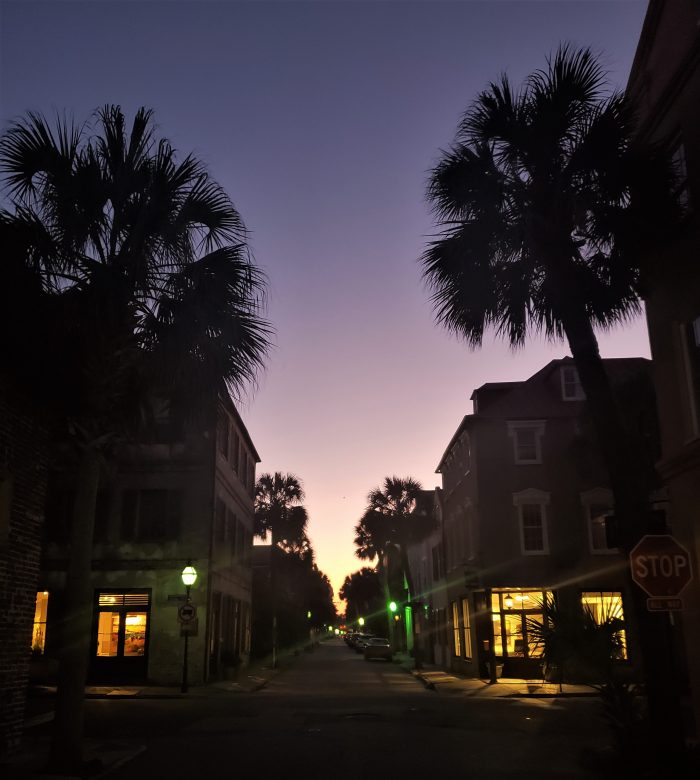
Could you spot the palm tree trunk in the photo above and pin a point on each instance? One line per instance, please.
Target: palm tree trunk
(67, 739)
(632, 518)
(384, 578)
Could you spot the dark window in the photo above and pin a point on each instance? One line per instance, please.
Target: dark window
(58, 513)
(235, 451)
(151, 515)
(436, 563)
(220, 522)
(222, 433)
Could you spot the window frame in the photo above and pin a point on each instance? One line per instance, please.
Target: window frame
(467, 629)
(610, 593)
(594, 498)
(533, 497)
(456, 635)
(537, 426)
(579, 395)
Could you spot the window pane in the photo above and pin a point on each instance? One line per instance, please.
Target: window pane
(526, 443)
(108, 633)
(135, 633)
(497, 636)
(455, 629)
(466, 622)
(606, 606)
(533, 530)
(39, 629)
(515, 644)
(534, 650)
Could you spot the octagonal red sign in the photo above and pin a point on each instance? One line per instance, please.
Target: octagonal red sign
(661, 566)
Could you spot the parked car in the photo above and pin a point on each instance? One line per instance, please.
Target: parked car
(361, 641)
(377, 647)
(351, 638)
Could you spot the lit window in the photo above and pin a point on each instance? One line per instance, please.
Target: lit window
(527, 441)
(466, 622)
(571, 389)
(512, 613)
(39, 629)
(455, 630)
(607, 606)
(122, 622)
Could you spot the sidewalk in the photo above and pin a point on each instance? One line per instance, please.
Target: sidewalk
(439, 680)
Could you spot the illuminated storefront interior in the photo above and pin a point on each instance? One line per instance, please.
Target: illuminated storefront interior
(510, 611)
(122, 625)
(39, 629)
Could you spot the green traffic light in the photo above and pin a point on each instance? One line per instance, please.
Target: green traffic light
(392, 606)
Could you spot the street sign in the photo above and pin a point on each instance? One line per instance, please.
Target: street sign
(186, 613)
(664, 605)
(661, 566)
(189, 629)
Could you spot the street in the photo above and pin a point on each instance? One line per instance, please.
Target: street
(333, 714)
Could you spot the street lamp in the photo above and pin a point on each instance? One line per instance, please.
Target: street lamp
(361, 621)
(189, 577)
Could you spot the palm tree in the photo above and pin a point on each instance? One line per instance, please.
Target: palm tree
(393, 520)
(279, 510)
(362, 593)
(542, 202)
(153, 290)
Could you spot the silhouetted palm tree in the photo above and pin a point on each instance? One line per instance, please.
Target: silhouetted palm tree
(279, 511)
(543, 201)
(153, 291)
(391, 522)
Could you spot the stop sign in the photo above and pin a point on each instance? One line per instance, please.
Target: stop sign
(661, 566)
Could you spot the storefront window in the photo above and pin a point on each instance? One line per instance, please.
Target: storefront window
(511, 609)
(466, 622)
(122, 628)
(604, 606)
(108, 633)
(39, 630)
(135, 633)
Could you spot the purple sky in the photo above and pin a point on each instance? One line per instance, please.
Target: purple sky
(322, 120)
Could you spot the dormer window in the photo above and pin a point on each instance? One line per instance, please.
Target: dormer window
(527, 440)
(571, 389)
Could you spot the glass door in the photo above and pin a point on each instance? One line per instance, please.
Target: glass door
(120, 642)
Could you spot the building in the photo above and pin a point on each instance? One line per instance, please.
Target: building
(665, 83)
(525, 498)
(23, 468)
(183, 493)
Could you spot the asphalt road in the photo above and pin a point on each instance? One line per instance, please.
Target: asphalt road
(333, 715)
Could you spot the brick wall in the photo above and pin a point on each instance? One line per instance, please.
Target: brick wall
(23, 469)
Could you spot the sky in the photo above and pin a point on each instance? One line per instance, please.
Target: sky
(322, 121)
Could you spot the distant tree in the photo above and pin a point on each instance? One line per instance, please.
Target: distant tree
(150, 288)
(391, 523)
(362, 592)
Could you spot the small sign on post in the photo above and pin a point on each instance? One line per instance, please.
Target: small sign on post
(187, 613)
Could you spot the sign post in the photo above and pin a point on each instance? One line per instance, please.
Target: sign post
(661, 567)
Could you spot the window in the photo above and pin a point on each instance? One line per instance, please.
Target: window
(39, 629)
(455, 630)
(680, 190)
(235, 450)
(222, 433)
(466, 623)
(597, 508)
(604, 606)
(122, 624)
(690, 338)
(151, 515)
(436, 563)
(510, 611)
(571, 389)
(527, 441)
(531, 507)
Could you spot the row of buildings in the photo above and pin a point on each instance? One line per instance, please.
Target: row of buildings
(524, 498)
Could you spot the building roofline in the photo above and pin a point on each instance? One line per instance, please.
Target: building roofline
(468, 418)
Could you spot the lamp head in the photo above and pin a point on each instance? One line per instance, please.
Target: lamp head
(189, 575)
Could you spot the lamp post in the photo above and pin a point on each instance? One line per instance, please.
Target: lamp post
(189, 577)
